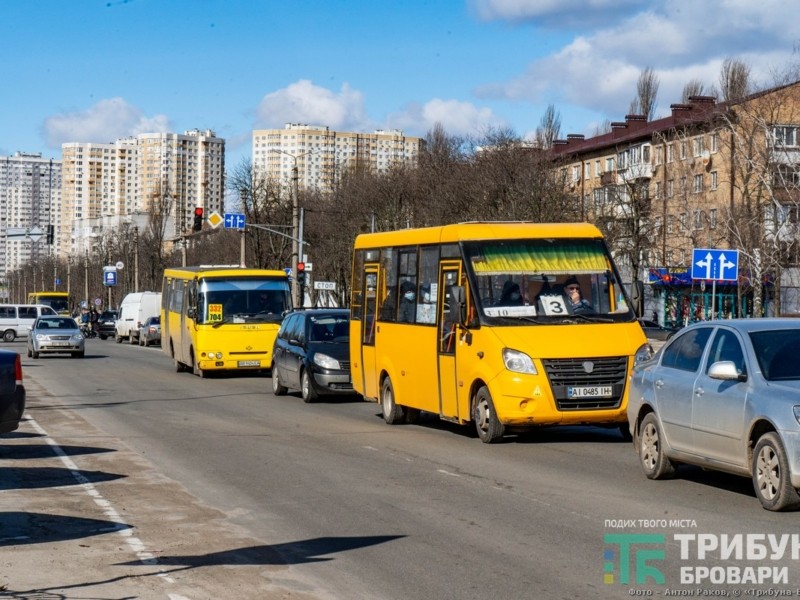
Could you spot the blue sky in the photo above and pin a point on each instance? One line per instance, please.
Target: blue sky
(98, 70)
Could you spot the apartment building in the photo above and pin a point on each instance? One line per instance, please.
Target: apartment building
(30, 199)
(322, 155)
(105, 185)
(720, 175)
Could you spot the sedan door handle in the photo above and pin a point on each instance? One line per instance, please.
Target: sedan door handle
(659, 383)
(699, 391)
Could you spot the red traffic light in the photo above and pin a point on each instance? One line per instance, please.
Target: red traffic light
(198, 212)
(301, 266)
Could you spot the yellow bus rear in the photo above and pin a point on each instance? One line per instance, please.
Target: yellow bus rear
(434, 327)
(222, 318)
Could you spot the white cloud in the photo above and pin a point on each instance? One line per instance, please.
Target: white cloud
(105, 122)
(680, 40)
(304, 102)
(457, 118)
(555, 13)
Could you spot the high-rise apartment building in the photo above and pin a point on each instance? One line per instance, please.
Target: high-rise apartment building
(321, 154)
(108, 184)
(30, 198)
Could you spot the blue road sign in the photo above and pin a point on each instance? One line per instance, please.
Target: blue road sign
(234, 221)
(109, 278)
(715, 265)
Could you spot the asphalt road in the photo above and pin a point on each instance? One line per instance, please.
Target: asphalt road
(130, 480)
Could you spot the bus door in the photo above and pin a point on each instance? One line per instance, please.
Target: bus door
(369, 329)
(447, 339)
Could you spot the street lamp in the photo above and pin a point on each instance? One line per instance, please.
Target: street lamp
(297, 241)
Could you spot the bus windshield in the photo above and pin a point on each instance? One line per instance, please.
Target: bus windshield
(59, 303)
(545, 280)
(242, 300)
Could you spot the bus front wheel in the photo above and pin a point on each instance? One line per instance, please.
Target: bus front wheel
(393, 413)
(488, 426)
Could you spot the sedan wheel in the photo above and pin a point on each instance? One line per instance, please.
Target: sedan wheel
(771, 474)
(654, 462)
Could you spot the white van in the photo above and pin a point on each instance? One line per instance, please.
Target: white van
(134, 310)
(16, 319)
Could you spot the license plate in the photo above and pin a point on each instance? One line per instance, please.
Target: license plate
(249, 363)
(61, 344)
(590, 391)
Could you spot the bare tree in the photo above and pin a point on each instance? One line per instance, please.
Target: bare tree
(549, 128)
(734, 80)
(693, 87)
(646, 94)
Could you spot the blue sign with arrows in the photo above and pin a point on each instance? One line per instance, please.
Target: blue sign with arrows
(715, 265)
(234, 221)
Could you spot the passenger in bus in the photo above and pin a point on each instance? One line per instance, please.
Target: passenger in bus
(575, 301)
(408, 305)
(510, 296)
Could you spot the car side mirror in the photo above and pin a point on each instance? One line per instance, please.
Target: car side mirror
(726, 371)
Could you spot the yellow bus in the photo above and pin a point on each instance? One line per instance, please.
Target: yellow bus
(216, 318)
(471, 322)
(58, 301)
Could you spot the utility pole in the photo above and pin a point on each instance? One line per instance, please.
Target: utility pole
(135, 259)
(86, 277)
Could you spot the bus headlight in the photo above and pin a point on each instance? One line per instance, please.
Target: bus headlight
(518, 362)
(326, 362)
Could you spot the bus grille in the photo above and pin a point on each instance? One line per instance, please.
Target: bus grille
(565, 373)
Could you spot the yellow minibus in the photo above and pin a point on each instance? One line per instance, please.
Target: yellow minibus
(58, 301)
(505, 325)
(216, 318)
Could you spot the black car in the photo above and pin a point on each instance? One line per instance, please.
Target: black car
(654, 331)
(12, 392)
(312, 354)
(105, 324)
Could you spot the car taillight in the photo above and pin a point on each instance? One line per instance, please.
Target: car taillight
(18, 369)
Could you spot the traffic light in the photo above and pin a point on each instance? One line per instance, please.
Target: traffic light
(198, 219)
(51, 234)
(301, 274)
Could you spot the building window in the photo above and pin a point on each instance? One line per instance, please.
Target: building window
(597, 169)
(697, 186)
(697, 217)
(587, 170)
(658, 155)
(682, 220)
(659, 191)
(784, 136)
(671, 224)
(713, 180)
(670, 188)
(683, 150)
(610, 164)
(670, 153)
(698, 146)
(714, 142)
(712, 218)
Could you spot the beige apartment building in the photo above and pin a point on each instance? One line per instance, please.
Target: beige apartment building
(711, 175)
(105, 185)
(321, 154)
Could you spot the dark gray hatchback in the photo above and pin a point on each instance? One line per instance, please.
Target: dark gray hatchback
(312, 353)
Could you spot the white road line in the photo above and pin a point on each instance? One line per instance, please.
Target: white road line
(134, 543)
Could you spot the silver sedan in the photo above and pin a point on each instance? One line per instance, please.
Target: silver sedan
(724, 395)
(53, 334)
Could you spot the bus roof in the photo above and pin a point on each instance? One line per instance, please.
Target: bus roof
(485, 230)
(220, 271)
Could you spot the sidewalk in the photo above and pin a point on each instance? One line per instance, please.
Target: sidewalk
(82, 516)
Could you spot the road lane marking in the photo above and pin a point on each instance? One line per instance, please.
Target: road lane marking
(134, 543)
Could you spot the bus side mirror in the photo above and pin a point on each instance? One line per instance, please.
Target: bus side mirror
(637, 297)
(191, 312)
(458, 301)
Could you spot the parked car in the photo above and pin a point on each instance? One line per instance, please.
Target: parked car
(724, 395)
(654, 331)
(312, 354)
(50, 335)
(106, 322)
(150, 331)
(12, 391)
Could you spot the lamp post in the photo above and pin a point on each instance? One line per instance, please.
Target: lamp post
(297, 233)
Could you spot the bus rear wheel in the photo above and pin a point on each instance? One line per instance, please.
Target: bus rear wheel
(488, 426)
(393, 413)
